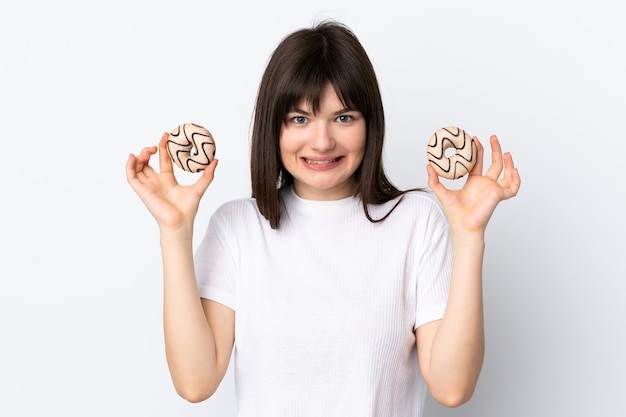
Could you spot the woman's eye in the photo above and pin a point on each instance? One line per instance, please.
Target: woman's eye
(344, 118)
(299, 120)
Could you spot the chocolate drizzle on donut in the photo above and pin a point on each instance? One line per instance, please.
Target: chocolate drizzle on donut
(191, 147)
(461, 162)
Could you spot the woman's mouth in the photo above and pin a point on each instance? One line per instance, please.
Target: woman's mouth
(321, 161)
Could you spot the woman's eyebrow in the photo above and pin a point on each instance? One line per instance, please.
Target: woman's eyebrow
(337, 113)
(300, 111)
(345, 110)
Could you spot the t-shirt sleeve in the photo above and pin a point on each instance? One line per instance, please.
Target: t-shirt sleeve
(434, 269)
(214, 264)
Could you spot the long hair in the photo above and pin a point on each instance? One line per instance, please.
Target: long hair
(299, 69)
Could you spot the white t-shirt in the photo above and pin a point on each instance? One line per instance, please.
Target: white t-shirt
(327, 304)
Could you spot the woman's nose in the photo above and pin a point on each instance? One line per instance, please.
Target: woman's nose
(322, 139)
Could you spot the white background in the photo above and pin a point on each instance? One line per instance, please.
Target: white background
(84, 83)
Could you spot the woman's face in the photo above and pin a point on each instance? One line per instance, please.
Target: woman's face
(323, 150)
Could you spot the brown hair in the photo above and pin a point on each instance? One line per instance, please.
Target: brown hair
(300, 67)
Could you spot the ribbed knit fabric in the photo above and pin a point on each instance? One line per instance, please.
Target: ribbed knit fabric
(327, 304)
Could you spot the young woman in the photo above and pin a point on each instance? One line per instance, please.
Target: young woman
(342, 295)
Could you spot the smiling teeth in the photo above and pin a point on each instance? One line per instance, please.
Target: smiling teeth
(316, 162)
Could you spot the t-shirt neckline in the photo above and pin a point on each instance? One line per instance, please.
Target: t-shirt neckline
(320, 205)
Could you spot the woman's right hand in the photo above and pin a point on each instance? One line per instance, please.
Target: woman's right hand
(172, 205)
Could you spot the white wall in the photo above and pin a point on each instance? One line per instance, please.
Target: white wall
(85, 83)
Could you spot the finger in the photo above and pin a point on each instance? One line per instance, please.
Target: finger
(480, 153)
(135, 171)
(131, 174)
(511, 181)
(206, 178)
(143, 158)
(433, 182)
(165, 162)
(143, 169)
(495, 169)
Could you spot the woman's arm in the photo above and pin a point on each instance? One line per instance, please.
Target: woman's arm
(199, 334)
(451, 350)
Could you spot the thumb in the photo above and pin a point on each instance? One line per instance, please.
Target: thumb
(206, 178)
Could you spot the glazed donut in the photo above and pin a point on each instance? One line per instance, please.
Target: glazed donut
(191, 147)
(461, 162)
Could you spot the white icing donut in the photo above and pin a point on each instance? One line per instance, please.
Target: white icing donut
(456, 165)
(191, 147)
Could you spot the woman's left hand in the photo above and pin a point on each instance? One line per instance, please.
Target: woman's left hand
(470, 208)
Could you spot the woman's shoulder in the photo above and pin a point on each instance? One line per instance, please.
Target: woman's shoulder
(415, 200)
(420, 197)
(237, 208)
(411, 207)
(237, 217)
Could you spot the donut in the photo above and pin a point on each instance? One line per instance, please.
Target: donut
(456, 165)
(191, 147)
